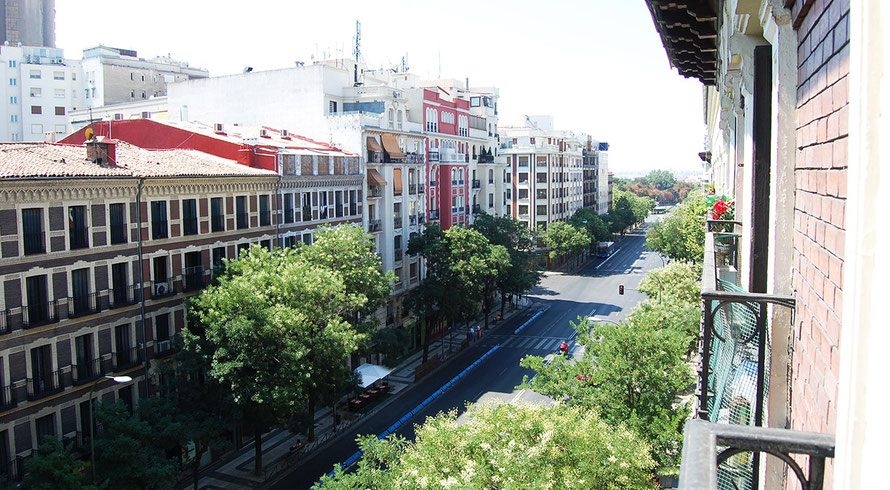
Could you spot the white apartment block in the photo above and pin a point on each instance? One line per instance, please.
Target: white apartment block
(323, 101)
(114, 75)
(154, 108)
(39, 90)
(548, 165)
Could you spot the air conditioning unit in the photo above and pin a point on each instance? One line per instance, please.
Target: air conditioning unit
(162, 289)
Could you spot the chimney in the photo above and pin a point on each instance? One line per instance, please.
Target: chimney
(49, 137)
(101, 151)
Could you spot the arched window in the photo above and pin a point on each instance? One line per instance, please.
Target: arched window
(491, 176)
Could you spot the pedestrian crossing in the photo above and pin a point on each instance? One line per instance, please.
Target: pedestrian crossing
(534, 344)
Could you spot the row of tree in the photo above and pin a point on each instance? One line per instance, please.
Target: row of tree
(681, 234)
(660, 185)
(586, 228)
(467, 267)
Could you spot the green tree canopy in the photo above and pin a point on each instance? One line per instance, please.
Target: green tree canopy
(596, 226)
(564, 239)
(681, 234)
(505, 446)
(53, 466)
(661, 179)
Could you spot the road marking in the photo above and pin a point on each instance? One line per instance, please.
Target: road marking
(607, 259)
(541, 343)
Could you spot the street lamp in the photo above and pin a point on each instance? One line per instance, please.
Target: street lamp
(116, 379)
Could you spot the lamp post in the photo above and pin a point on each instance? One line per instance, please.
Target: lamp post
(116, 379)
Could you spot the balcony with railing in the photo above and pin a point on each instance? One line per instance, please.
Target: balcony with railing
(85, 304)
(434, 215)
(124, 296)
(397, 254)
(477, 208)
(412, 220)
(84, 372)
(397, 222)
(374, 226)
(38, 314)
(375, 191)
(477, 183)
(162, 289)
(722, 443)
(412, 189)
(126, 358)
(44, 386)
(434, 157)
(7, 398)
(193, 278)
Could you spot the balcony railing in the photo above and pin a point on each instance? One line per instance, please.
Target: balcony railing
(193, 277)
(126, 358)
(375, 191)
(412, 189)
(477, 183)
(86, 371)
(434, 157)
(397, 223)
(432, 183)
(732, 387)
(434, 215)
(477, 208)
(44, 386)
(415, 158)
(84, 304)
(709, 449)
(398, 254)
(35, 315)
(374, 225)
(7, 398)
(486, 159)
(123, 296)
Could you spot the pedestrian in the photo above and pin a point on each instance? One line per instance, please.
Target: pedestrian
(479, 331)
(471, 333)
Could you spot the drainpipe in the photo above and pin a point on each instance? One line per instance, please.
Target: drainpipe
(141, 281)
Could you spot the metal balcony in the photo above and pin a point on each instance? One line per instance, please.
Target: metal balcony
(477, 183)
(374, 226)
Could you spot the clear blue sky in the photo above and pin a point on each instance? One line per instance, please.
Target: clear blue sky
(597, 66)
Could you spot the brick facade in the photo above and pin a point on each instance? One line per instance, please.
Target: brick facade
(821, 191)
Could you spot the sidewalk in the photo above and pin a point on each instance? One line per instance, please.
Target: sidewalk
(235, 471)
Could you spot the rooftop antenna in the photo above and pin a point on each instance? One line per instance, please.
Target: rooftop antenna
(357, 50)
(440, 65)
(405, 63)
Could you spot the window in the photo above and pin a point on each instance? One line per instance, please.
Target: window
(78, 232)
(218, 256)
(542, 210)
(161, 286)
(541, 178)
(122, 346)
(475, 101)
(13, 100)
(14, 118)
(59, 93)
(45, 426)
(306, 208)
(241, 212)
(36, 92)
(12, 63)
(37, 129)
(158, 220)
(290, 241)
(190, 216)
(32, 231)
(265, 213)
(541, 194)
(132, 76)
(338, 204)
(80, 291)
(36, 109)
(60, 111)
(332, 106)
(119, 284)
(35, 75)
(58, 75)
(491, 200)
(288, 208)
(217, 217)
(194, 271)
(353, 206)
(118, 219)
(83, 357)
(162, 333)
(39, 311)
(523, 193)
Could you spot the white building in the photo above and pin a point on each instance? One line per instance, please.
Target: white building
(154, 108)
(324, 102)
(40, 89)
(114, 75)
(548, 165)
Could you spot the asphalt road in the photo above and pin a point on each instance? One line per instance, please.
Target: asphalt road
(562, 297)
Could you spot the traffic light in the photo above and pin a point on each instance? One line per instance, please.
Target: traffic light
(621, 289)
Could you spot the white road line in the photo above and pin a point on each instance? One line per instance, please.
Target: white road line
(607, 259)
(545, 341)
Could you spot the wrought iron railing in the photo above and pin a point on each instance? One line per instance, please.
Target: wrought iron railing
(434, 215)
(126, 358)
(477, 183)
(43, 386)
(397, 222)
(193, 278)
(374, 225)
(375, 191)
(710, 447)
(85, 371)
(7, 398)
(84, 304)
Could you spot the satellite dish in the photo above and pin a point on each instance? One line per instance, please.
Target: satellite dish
(248, 69)
(89, 133)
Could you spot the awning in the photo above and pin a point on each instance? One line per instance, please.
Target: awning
(375, 178)
(370, 373)
(391, 145)
(373, 145)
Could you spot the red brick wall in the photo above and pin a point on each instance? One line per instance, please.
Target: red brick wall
(821, 190)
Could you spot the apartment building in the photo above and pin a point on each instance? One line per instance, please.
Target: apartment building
(792, 91)
(28, 22)
(40, 89)
(115, 75)
(596, 183)
(101, 244)
(341, 103)
(549, 170)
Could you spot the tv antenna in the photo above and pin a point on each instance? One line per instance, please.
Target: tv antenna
(357, 49)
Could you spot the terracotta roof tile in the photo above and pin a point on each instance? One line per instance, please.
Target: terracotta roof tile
(20, 160)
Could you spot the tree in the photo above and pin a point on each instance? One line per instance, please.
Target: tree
(522, 273)
(275, 336)
(587, 219)
(129, 455)
(462, 268)
(53, 466)
(505, 446)
(390, 343)
(661, 179)
(564, 239)
(681, 234)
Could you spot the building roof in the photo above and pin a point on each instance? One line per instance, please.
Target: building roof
(688, 30)
(36, 160)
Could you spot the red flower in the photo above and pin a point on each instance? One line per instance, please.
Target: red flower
(716, 216)
(720, 207)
